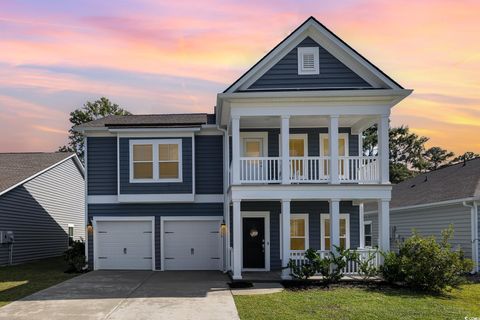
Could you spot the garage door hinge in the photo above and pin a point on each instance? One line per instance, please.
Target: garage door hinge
(169, 232)
(169, 258)
(102, 257)
(147, 231)
(214, 232)
(102, 231)
(147, 258)
(215, 258)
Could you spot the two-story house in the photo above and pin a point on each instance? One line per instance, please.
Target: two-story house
(278, 168)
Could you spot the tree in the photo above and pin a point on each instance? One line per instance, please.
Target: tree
(433, 158)
(89, 112)
(469, 155)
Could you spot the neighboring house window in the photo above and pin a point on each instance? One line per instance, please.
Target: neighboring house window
(299, 239)
(71, 233)
(156, 160)
(368, 233)
(344, 231)
(308, 60)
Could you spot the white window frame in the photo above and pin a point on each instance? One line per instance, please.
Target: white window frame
(305, 216)
(365, 235)
(303, 136)
(156, 166)
(301, 51)
(254, 135)
(325, 216)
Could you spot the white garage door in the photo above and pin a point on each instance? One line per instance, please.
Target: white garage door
(124, 245)
(191, 245)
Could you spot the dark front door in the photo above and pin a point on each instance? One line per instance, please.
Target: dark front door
(254, 243)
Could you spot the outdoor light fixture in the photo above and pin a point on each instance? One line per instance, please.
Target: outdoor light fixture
(223, 228)
(89, 227)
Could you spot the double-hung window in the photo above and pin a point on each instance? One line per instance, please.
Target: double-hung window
(344, 231)
(299, 239)
(156, 160)
(368, 233)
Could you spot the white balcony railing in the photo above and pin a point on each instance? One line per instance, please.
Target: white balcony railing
(309, 169)
(352, 266)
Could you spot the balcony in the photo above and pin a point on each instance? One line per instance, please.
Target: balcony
(352, 169)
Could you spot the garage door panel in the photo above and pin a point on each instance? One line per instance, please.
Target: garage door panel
(124, 245)
(191, 245)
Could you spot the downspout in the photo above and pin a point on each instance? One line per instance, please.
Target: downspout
(474, 232)
(85, 142)
(226, 207)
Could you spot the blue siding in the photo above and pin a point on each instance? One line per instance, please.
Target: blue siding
(333, 73)
(102, 165)
(313, 209)
(209, 164)
(157, 210)
(155, 188)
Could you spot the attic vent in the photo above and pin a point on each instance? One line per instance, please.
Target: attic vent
(308, 60)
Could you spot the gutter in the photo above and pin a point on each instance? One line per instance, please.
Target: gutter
(226, 214)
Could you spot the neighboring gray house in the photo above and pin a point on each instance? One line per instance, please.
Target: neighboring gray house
(42, 203)
(274, 171)
(432, 201)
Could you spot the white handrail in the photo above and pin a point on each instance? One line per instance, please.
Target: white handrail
(260, 169)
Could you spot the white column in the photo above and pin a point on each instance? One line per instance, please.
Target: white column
(384, 225)
(361, 222)
(285, 143)
(285, 238)
(236, 150)
(237, 241)
(383, 149)
(333, 151)
(360, 143)
(334, 224)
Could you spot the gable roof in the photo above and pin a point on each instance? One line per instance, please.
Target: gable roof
(313, 28)
(150, 120)
(18, 168)
(453, 182)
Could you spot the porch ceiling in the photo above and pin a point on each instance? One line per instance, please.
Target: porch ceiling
(302, 121)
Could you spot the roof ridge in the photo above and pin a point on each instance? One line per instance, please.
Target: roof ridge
(39, 152)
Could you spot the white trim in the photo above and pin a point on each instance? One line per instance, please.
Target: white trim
(155, 143)
(266, 216)
(175, 131)
(102, 199)
(139, 133)
(301, 52)
(323, 217)
(75, 158)
(209, 198)
(263, 135)
(102, 218)
(186, 218)
(304, 216)
(428, 205)
(152, 198)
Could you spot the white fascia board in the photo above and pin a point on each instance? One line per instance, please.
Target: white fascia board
(428, 205)
(198, 198)
(156, 134)
(311, 192)
(155, 198)
(129, 130)
(74, 156)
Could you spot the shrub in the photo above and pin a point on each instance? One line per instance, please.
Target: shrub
(75, 257)
(366, 268)
(309, 268)
(425, 264)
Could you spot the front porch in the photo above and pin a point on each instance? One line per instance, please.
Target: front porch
(260, 228)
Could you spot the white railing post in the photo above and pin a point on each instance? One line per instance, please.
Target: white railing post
(235, 149)
(237, 241)
(333, 150)
(285, 238)
(383, 149)
(285, 139)
(384, 225)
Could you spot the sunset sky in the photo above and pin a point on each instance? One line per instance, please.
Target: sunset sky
(153, 56)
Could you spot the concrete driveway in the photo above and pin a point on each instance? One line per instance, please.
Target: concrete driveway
(134, 295)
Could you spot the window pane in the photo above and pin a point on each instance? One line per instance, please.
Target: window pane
(368, 241)
(297, 147)
(326, 147)
(70, 231)
(253, 148)
(343, 227)
(368, 229)
(327, 228)
(341, 147)
(342, 143)
(297, 228)
(297, 244)
(343, 241)
(142, 152)
(168, 152)
(143, 170)
(168, 170)
(327, 243)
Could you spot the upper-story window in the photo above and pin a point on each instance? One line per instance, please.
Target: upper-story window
(308, 60)
(156, 160)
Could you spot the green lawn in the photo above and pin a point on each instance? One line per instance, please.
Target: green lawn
(361, 303)
(21, 280)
